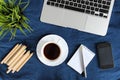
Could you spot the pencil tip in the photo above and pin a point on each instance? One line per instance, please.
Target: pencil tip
(8, 71)
(1, 62)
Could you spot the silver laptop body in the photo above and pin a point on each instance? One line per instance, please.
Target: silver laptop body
(68, 13)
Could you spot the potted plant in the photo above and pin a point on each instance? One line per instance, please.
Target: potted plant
(12, 17)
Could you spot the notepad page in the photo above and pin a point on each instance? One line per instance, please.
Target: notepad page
(76, 63)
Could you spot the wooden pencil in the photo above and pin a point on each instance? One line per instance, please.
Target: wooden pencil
(21, 61)
(10, 54)
(17, 59)
(18, 48)
(16, 55)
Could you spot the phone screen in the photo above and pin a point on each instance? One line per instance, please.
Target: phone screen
(105, 57)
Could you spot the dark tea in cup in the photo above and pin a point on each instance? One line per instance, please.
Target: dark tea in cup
(51, 51)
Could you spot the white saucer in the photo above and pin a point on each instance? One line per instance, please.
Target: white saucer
(59, 41)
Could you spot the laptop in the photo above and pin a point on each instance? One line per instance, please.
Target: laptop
(90, 16)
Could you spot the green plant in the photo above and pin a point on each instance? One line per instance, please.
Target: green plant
(12, 17)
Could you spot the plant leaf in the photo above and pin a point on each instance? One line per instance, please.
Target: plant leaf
(4, 34)
(18, 26)
(26, 6)
(26, 26)
(12, 17)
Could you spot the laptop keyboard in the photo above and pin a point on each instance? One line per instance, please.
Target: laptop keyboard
(93, 7)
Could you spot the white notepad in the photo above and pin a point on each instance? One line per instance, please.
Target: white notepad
(76, 63)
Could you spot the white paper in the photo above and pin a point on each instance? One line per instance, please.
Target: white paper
(76, 61)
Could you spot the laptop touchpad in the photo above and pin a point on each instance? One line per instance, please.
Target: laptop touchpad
(74, 19)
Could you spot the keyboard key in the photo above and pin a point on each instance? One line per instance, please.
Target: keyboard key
(71, 3)
(104, 2)
(79, 5)
(67, 2)
(52, 3)
(96, 9)
(48, 3)
(87, 3)
(61, 6)
(75, 9)
(99, 5)
(101, 14)
(88, 7)
(75, 4)
(92, 8)
(91, 3)
(78, 1)
(105, 7)
(82, 2)
(105, 16)
(103, 11)
(88, 11)
(92, 12)
(56, 4)
(95, 4)
(108, 3)
(58, 1)
(99, 1)
(83, 6)
(74, 0)
(96, 14)
(95, 0)
(53, 0)
(62, 1)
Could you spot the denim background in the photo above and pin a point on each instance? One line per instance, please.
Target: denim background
(35, 70)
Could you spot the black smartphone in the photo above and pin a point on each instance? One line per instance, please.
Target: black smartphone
(105, 58)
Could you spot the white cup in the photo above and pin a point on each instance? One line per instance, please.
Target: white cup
(52, 39)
